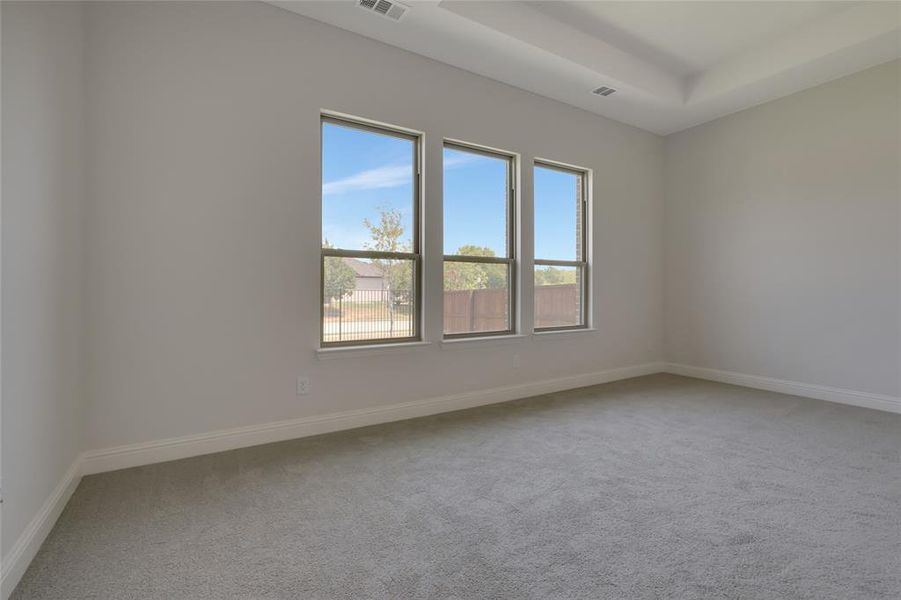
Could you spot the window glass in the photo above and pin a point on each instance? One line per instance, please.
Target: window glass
(365, 175)
(476, 297)
(478, 265)
(561, 268)
(475, 203)
(558, 199)
(370, 254)
(558, 296)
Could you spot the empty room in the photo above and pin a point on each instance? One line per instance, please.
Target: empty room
(450, 299)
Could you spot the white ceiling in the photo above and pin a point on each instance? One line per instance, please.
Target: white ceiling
(674, 64)
(686, 37)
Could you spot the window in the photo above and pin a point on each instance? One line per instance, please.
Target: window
(478, 242)
(371, 262)
(561, 267)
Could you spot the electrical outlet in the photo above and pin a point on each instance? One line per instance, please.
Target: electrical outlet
(303, 386)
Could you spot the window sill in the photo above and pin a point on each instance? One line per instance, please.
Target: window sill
(370, 350)
(561, 333)
(487, 341)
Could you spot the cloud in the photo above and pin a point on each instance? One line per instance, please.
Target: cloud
(389, 176)
(371, 179)
(458, 159)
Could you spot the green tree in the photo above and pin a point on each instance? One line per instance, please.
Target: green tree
(387, 236)
(554, 276)
(387, 233)
(338, 279)
(469, 276)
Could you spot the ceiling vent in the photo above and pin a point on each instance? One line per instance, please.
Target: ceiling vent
(386, 8)
(601, 91)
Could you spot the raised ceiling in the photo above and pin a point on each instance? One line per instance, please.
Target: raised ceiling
(686, 37)
(674, 64)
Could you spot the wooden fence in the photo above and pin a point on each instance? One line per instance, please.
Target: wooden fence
(468, 311)
(557, 305)
(475, 310)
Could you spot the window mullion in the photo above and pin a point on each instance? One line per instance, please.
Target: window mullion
(369, 254)
(559, 263)
(495, 260)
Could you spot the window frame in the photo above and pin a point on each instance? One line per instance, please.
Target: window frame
(415, 255)
(584, 229)
(509, 260)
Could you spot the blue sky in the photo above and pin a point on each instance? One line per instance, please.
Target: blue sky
(556, 195)
(475, 201)
(363, 172)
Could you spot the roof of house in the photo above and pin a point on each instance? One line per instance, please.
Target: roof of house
(363, 269)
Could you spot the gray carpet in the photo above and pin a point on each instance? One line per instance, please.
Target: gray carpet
(657, 487)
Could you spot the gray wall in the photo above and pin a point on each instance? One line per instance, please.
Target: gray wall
(203, 219)
(782, 237)
(41, 254)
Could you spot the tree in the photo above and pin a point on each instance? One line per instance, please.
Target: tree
(387, 236)
(469, 276)
(554, 276)
(338, 278)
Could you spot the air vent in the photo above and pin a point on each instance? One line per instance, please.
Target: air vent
(386, 8)
(601, 91)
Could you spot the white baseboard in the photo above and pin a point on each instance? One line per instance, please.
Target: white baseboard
(23, 551)
(133, 455)
(795, 388)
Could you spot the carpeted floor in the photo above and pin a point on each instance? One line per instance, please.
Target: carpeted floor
(657, 487)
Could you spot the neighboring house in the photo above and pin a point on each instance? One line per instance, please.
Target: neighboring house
(369, 281)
